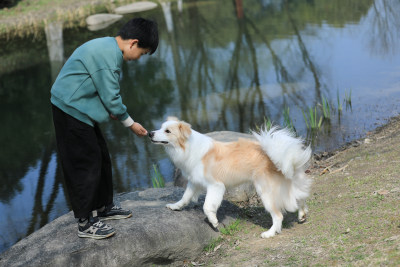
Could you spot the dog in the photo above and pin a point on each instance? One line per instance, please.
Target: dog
(275, 162)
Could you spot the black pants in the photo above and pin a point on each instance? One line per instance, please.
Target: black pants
(86, 163)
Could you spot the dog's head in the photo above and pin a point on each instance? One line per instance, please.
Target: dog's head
(173, 133)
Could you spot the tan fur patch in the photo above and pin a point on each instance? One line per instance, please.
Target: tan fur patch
(182, 131)
(237, 162)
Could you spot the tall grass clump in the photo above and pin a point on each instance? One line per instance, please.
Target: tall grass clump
(157, 179)
(347, 99)
(267, 124)
(227, 231)
(326, 109)
(339, 103)
(311, 119)
(287, 121)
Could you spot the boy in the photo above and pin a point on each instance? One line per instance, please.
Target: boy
(86, 93)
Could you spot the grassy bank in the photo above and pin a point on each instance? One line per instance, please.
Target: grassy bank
(28, 17)
(353, 220)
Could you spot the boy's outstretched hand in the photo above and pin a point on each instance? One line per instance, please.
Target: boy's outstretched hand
(138, 129)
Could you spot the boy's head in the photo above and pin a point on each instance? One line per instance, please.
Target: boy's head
(146, 31)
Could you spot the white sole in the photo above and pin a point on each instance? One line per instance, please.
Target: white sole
(84, 235)
(116, 217)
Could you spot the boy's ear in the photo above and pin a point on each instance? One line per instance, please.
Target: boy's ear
(132, 42)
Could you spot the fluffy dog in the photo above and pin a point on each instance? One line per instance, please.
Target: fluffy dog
(275, 164)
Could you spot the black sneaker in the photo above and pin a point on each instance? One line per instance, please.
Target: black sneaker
(114, 213)
(94, 228)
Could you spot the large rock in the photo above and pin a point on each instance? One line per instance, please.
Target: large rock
(154, 235)
(241, 193)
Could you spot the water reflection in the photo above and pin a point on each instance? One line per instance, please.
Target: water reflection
(221, 65)
(384, 35)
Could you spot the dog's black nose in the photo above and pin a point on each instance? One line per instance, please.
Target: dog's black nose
(151, 134)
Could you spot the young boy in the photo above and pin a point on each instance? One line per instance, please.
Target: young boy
(86, 93)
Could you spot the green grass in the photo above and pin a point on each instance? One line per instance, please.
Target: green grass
(157, 179)
(229, 230)
(347, 99)
(287, 121)
(210, 247)
(232, 228)
(339, 103)
(311, 119)
(326, 109)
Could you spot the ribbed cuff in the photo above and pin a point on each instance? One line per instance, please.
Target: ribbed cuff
(128, 122)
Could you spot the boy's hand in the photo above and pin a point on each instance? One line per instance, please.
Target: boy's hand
(138, 129)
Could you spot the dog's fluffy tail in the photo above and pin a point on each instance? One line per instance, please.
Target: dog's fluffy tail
(285, 150)
(291, 158)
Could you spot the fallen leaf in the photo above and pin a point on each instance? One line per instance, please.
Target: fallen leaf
(217, 247)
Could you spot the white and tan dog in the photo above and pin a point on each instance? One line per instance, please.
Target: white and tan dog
(275, 164)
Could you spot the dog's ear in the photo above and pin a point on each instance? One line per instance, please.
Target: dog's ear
(185, 129)
(185, 132)
(172, 118)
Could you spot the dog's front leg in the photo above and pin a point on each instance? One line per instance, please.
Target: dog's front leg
(215, 194)
(190, 191)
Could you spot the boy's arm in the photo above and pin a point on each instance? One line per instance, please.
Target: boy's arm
(135, 127)
(107, 85)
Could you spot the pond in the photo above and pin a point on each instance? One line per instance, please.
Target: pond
(220, 65)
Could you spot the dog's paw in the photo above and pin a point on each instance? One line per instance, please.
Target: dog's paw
(215, 226)
(268, 234)
(302, 219)
(173, 207)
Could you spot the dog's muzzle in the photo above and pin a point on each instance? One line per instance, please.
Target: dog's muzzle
(151, 135)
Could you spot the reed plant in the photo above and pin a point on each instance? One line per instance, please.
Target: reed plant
(157, 179)
(326, 109)
(287, 121)
(311, 119)
(339, 103)
(347, 99)
(267, 124)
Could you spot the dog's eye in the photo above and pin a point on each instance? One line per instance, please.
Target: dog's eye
(167, 131)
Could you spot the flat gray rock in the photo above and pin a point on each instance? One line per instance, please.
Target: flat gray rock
(154, 235)
(135, 7)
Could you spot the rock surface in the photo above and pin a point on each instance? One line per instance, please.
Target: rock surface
(154, 235)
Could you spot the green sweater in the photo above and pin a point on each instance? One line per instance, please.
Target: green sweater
(87, 87)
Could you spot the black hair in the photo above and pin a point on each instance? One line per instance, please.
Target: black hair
(146, 31)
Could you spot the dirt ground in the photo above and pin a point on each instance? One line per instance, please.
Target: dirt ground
(353, 219)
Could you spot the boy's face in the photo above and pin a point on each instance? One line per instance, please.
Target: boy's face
(132, 51)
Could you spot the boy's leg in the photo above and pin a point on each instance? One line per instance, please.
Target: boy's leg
(106, 208)
(81, 159)
(104, 196)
